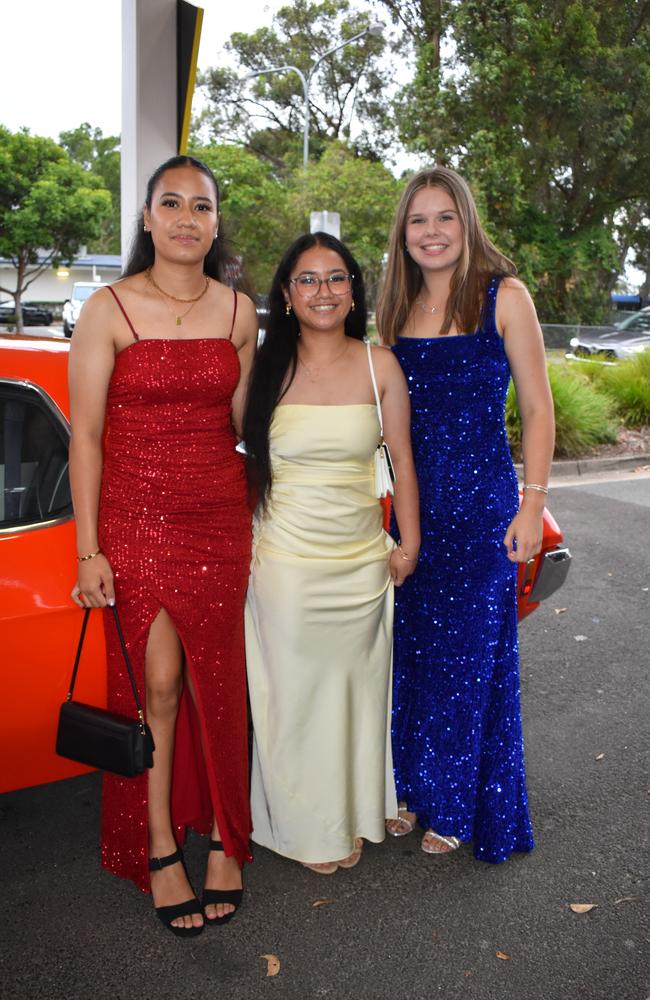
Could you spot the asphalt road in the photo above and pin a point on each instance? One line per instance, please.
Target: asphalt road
(402, 925)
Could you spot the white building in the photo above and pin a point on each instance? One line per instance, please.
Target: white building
(53, 286)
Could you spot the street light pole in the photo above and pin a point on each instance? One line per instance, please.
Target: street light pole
(372, 29)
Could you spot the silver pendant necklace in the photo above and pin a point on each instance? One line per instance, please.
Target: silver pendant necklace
(425, 308)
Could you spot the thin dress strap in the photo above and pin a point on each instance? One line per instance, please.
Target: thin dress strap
(123, 310)
(375, 390)
(234, 315)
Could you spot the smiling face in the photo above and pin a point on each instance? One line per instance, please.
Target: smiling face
(183, 215)
(321, 308)
(433, 232)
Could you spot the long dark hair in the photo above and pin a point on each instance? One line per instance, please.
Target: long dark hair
(219, 263)
(277, 356)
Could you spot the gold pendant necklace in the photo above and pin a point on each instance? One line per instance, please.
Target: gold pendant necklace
(179, 317)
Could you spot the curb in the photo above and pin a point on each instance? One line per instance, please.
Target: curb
(586, 466)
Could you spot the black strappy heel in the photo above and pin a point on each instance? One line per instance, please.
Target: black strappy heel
(168, 913)
(213, 896)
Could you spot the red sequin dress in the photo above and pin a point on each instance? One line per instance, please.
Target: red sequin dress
(175, 525)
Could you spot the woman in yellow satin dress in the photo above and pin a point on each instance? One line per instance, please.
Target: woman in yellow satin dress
(320, 601)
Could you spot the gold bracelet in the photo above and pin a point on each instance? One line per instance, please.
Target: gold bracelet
(536, 486)
(404, 556)
(91, 555)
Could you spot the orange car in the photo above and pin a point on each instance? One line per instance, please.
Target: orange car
(39, 624)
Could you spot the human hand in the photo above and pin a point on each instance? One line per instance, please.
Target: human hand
(400, 567)
(94, 587)
(526, 528)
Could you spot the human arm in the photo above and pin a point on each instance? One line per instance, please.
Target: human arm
(524, 346)
(245, 340)
(92, 356)
(396, 413)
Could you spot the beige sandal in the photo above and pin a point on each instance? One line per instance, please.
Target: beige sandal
(406, 825)
(354, 858)
(451, 843)
(322, 868)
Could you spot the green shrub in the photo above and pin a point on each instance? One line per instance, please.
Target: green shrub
(627, 385)
(583, 415)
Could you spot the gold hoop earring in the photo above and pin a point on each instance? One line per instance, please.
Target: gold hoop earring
(353, 306)
(146, 228)
(287, 309)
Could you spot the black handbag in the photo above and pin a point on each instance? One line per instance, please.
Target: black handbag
(100, 738)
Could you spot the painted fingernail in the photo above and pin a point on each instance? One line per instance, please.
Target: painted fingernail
(111, 602)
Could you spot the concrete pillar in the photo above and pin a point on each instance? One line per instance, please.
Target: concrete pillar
(149, 99)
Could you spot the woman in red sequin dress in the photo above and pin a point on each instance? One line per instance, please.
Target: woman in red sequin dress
(163, 529)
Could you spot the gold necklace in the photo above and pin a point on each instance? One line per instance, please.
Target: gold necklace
(313, 372)
(179, 317)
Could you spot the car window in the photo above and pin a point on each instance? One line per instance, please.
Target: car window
(640, 323)
(34, 483)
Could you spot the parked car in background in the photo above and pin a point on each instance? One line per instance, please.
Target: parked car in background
(627, 338)
(39, 624)
(81, 290)
(32, 315)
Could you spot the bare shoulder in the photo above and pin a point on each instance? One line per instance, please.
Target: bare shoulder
(384, 360)
(245, 328)
(514, 303)
(98, 319)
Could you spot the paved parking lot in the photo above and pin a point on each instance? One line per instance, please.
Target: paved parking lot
(402, 924)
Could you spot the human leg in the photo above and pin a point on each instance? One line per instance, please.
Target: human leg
(163, 681)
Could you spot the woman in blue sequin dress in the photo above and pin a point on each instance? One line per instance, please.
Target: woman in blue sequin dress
(461, 325)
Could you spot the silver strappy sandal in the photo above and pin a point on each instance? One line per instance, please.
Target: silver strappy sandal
(451, 843)
(406, 826)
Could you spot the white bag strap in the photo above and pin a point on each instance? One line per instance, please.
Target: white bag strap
(376, 391)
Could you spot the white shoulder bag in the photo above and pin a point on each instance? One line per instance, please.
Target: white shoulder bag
(384, 474)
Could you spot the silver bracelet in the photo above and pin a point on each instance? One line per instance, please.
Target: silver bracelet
(536, 486)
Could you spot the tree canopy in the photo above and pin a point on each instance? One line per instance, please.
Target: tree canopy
(266, 114)
(100, 155)
(544, 105)
(47, 203)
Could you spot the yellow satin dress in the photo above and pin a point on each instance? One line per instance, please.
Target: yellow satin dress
(319, 620)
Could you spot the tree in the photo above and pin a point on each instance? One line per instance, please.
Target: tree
(47, 202)
(255, 208)
(266, 115)
(100, 155)
(365, 194)
(544, 106)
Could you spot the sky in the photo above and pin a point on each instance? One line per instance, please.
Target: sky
(61, 62)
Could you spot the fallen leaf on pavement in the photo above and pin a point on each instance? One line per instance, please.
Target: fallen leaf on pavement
(321, 902)
(600, 756)
(626, 899)
(502, 955)
(582, 907)
(560, 611)
(580, 638)
(272, 964)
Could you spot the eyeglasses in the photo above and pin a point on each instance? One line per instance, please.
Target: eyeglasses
(308, 285)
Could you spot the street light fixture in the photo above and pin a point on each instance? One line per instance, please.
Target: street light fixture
(375, 29)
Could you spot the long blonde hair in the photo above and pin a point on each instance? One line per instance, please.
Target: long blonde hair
(479, 260)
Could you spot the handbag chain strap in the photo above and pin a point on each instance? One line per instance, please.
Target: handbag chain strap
(376, 392)
(125, 654)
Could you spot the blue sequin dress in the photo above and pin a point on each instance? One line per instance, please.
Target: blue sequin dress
(457, 740)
